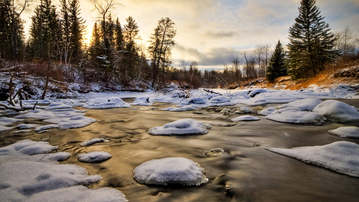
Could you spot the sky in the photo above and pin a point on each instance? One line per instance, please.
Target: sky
(212, 32)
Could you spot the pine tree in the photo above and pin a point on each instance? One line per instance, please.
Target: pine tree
(311, 42)
(131, 56)
(277, 65)
(95, 46)
(119, 43)
(160, 48)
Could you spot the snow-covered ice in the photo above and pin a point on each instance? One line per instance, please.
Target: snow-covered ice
(307, 104)
(93, 141)
(347, 131)
(341, 157)
(170, 171)
(267, 111)
(94, 157)
(181, 127)
(28, 172)
(245, 118)
(142, 101)
(298, 117)
(337, 111)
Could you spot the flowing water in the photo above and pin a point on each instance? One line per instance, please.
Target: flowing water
(244, 172)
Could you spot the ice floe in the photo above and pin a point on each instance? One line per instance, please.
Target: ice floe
(341, 157)
(181, 127)
(245, 118)
(347, 131)
(170, 171)
(28, 147)
(94, 157)
(337, 111)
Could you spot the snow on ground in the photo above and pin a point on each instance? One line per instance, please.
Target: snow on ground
(245, 118)
(337, 111)
(298, 117)
(93, 141)
(181, 127)
(170, 171)
(348, 131)
(94, 157)
(28, 172)
(142, 101)
(341, 157)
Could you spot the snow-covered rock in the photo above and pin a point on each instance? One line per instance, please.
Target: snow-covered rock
(341, 157)
(26, 126)
(181, 127)
(38, 176)
(142, 101)
(28, 147)
(307, 104)
(180, 109)
(93, 141)
(197, 101)
(255, 92)
(245, 118)
(348, 131)
(94, 157)
(63, 119)
(80, 193)
(337, 111)
(267, 111)
(106, 103)
(170, 171)
(244, 110)
(298, 117)
(220, 100)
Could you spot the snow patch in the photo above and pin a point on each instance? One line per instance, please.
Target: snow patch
(297, 117)
(93, 141)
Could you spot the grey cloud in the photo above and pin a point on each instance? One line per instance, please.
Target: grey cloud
(223, 34)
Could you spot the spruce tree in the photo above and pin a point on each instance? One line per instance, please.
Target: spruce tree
(11, 31)
(131, 56)
(76, 28)
(311, 42)
(277, 65)
(45, 32)
(119, 44)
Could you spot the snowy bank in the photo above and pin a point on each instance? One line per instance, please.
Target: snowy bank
(337, 111)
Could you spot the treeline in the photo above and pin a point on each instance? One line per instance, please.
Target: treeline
(56, 37)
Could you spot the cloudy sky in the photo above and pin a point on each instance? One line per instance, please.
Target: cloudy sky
(212, 32)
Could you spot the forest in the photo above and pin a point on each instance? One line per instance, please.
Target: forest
(56, 49)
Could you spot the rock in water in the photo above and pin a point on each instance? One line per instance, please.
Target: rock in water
(349, 131)
(170, 171)
(341, 157)
(94, 157)
(337, 111)
(181, 127)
